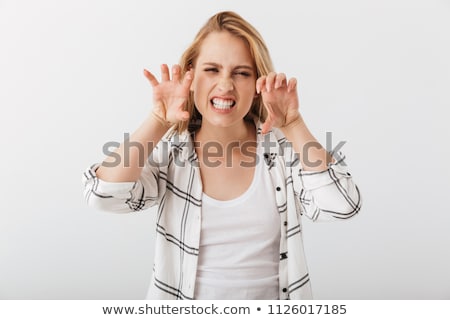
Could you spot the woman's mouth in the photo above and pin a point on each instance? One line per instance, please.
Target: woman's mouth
(222, 104)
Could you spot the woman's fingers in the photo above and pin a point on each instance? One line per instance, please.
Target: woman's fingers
(187, 80)
(280, 80)
(151, 78)
(292, 84)
(165, 76)
(270, 81)
(171, 93)
(176, 70)
(260, 83)
(279, 96)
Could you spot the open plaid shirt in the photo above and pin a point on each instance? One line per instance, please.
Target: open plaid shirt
(171, 179)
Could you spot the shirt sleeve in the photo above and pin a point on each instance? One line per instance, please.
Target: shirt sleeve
(327, 195)
(122, 197)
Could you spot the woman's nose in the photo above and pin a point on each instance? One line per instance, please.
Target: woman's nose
(225, 84)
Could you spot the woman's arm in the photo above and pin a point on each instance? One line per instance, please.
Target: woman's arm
(127, 161)
(126, 180)
(324, 188)
(169, 98)
(313, 157)
(281, 101)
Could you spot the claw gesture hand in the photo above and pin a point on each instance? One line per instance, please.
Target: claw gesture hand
(170, 95)
(280, 99)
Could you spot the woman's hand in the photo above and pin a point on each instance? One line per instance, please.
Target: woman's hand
(170, 95)
(280, 99)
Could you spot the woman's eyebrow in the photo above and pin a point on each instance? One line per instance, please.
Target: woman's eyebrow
(212, 64)
(218, 65)
(244, 66)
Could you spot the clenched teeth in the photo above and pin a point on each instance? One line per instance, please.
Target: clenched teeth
(223, 104)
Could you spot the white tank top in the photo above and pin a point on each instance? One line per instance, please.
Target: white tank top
(239, 244)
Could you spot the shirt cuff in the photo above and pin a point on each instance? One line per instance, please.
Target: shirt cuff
(316, 179)
(119, 190)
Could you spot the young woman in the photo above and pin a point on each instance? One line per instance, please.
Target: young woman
(232, 167)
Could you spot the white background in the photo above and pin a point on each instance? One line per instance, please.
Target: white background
(374, 73)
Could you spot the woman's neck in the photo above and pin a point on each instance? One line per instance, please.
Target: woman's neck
(241, 132)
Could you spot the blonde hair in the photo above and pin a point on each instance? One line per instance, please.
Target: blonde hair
(236, 25)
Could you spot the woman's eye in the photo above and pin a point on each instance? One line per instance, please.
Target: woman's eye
(211, 70)
(243, 73)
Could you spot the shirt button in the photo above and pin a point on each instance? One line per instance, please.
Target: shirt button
(284, 290)
(285, 223)
(278, 189)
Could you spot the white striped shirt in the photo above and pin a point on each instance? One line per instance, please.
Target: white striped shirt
(171, 179)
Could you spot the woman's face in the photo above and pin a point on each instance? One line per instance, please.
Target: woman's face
(224, 79)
